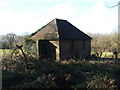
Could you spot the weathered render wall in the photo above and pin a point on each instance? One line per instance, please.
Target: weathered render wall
(74, 49)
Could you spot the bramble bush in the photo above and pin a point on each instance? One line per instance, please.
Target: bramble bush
(77, 74)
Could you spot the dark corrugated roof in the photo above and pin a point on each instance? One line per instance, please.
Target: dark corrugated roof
(59, 29)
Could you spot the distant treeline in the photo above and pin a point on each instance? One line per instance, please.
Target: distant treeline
(104, 42)
(100, 42)
(9, 40)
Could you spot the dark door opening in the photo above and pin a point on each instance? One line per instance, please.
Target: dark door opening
(47, 50)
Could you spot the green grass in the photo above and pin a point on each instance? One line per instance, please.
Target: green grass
(107, 54)
(5, 51)
(1, 52)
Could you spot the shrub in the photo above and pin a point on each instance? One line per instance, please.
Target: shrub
(77, 74)
(15, 78)
(99, 81)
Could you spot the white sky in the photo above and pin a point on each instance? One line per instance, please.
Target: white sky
(20, 16)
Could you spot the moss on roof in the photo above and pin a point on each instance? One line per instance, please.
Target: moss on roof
(36, 31)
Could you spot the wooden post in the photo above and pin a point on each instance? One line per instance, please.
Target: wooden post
(115, 53)
(38, 48)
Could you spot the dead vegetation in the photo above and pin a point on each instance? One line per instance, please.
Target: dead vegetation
(95, 73)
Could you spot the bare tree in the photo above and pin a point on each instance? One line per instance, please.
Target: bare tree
(112, 3)
(9, 40)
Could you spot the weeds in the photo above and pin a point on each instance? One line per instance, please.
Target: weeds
(63, 74)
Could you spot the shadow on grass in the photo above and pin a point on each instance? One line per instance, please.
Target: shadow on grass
(70, 74)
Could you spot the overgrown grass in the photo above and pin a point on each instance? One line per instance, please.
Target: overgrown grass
(70, 74)
(60, 74)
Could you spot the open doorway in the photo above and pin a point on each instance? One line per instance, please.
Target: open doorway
(47, 50)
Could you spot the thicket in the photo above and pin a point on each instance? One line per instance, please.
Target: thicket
(105, 42)
(49, 73)
(105, 45)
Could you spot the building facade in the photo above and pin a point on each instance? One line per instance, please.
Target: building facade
(59, 39)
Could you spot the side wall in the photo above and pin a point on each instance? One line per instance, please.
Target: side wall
(64, 49)
(75, 49)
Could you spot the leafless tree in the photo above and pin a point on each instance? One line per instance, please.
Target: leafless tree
(112, 3)
(8, 40)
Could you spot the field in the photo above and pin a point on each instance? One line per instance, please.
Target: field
(104, 55)
(6, 51)
(107, 55)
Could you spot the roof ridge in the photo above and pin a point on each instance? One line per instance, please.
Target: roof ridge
(55, 20)
(56, 26)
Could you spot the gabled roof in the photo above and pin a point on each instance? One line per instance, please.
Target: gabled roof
(59, 29)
